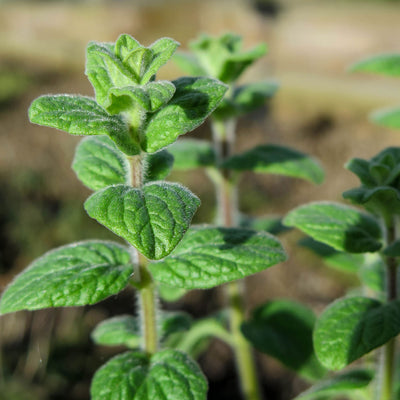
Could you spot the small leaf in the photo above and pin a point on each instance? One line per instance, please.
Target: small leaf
(124, 45)
(149, 97)
(153, 219)
(283, 330)
(78, 274)
(352, 327)
(167, 375)
(162, 50)
(208, 257)
(274, 159)
(123, 330)
(386, 64)
(339, 226)
(339, 385)
(80, 115)
(192, 153)
(360, 167)
(193, 101)
(389, 117)
(98, 163)
(105, 70)
(173, 322)
(159, 165)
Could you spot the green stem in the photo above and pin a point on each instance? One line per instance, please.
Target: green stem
(142, 279)
(224, 136)
(389, 351)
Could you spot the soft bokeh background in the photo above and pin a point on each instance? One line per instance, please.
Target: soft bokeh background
(320, 109)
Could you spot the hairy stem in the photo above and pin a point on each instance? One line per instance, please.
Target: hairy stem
(142, 279)
(223, 138)
(389, 351)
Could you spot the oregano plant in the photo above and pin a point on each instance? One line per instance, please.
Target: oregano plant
(279, 328)
(364, 243)
(129, 123)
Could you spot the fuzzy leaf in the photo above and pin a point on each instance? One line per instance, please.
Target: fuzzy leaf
(167, 375)
(339, 226)
(153, 219)
(192, 153)
(386, 64)
(283, 330)
(274, 159)
(193, 101)
(208, 257)
(98, 163)
(352, 327)
(79, 115)
(105, 70)
(78, 274)
(149, 97)
(389, 117)
(339, 385)
(123, 330)
(159, 165)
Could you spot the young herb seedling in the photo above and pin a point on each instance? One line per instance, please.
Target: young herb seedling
(131, 120)
(279, 328)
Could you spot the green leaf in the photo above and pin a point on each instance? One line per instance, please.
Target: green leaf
(167, 375)
(149, 97)
(173, 322)
(339, 260)
(339, 385)
(123, 330)
(222, 57)
(162, 51)
(124, 45)
(153, 218)
(283, 330)
(393, 250)
(189, 63)
(274, 159)
(105, 70)
(98, 163)
(208, 257)
(78, 274)
(352, 327)
(192, 153)
(79, 115)
(193, 101)
(389, 117)
(372, 272)
(339, 226)
(169, 293)
(159, 165)
(386, 64)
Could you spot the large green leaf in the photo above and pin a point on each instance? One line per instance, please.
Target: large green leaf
(352, 327)
(167, 375)
(192, 153)
(339, 226)
(123, 330)
(79, 115)
(78, 274)
(339, 385)
(193, 101)
(208, 257)
(283, 330)
(386, 64)
(276, 159)
(153, 218)
(98, 163)
(389, 117)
